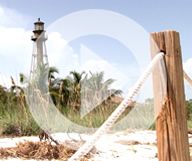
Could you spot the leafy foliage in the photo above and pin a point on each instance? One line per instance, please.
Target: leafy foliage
(66, 93)
(189, 109)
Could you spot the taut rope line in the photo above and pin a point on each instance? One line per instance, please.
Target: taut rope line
(187, 78)
(119, 110)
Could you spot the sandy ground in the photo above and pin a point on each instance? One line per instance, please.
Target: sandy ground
(119, 146)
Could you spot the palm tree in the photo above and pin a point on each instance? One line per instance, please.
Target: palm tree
(96, 91)
(51, 75)
(61, 89)
(75, 89)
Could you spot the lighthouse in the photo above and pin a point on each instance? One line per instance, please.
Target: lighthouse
(39, 54)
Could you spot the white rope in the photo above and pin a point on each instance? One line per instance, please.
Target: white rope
(119, 110)
(187, 78)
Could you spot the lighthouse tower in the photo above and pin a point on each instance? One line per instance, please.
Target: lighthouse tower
(39, 55)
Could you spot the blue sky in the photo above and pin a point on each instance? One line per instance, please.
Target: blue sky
(152, 15)
(16, 25)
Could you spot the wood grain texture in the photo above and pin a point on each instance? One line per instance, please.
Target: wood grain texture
(171, 120)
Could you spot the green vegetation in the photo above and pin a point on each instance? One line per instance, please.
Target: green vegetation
(16, 119)
(189, 109)
(67, 93)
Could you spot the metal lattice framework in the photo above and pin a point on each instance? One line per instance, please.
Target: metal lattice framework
(34, 58)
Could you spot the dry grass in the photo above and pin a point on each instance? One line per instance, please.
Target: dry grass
(38, 151)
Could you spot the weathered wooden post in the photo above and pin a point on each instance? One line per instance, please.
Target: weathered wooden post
(171, 119)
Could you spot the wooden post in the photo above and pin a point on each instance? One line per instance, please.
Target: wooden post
(171, 120)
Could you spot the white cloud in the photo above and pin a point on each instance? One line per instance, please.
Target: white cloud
(109, 72)
(61, 55)
(10, 18)
(187, 66)
(5, 81)
(15, 50)
(55, 46)
(90, 61)
(14, 40)
(16, 47)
